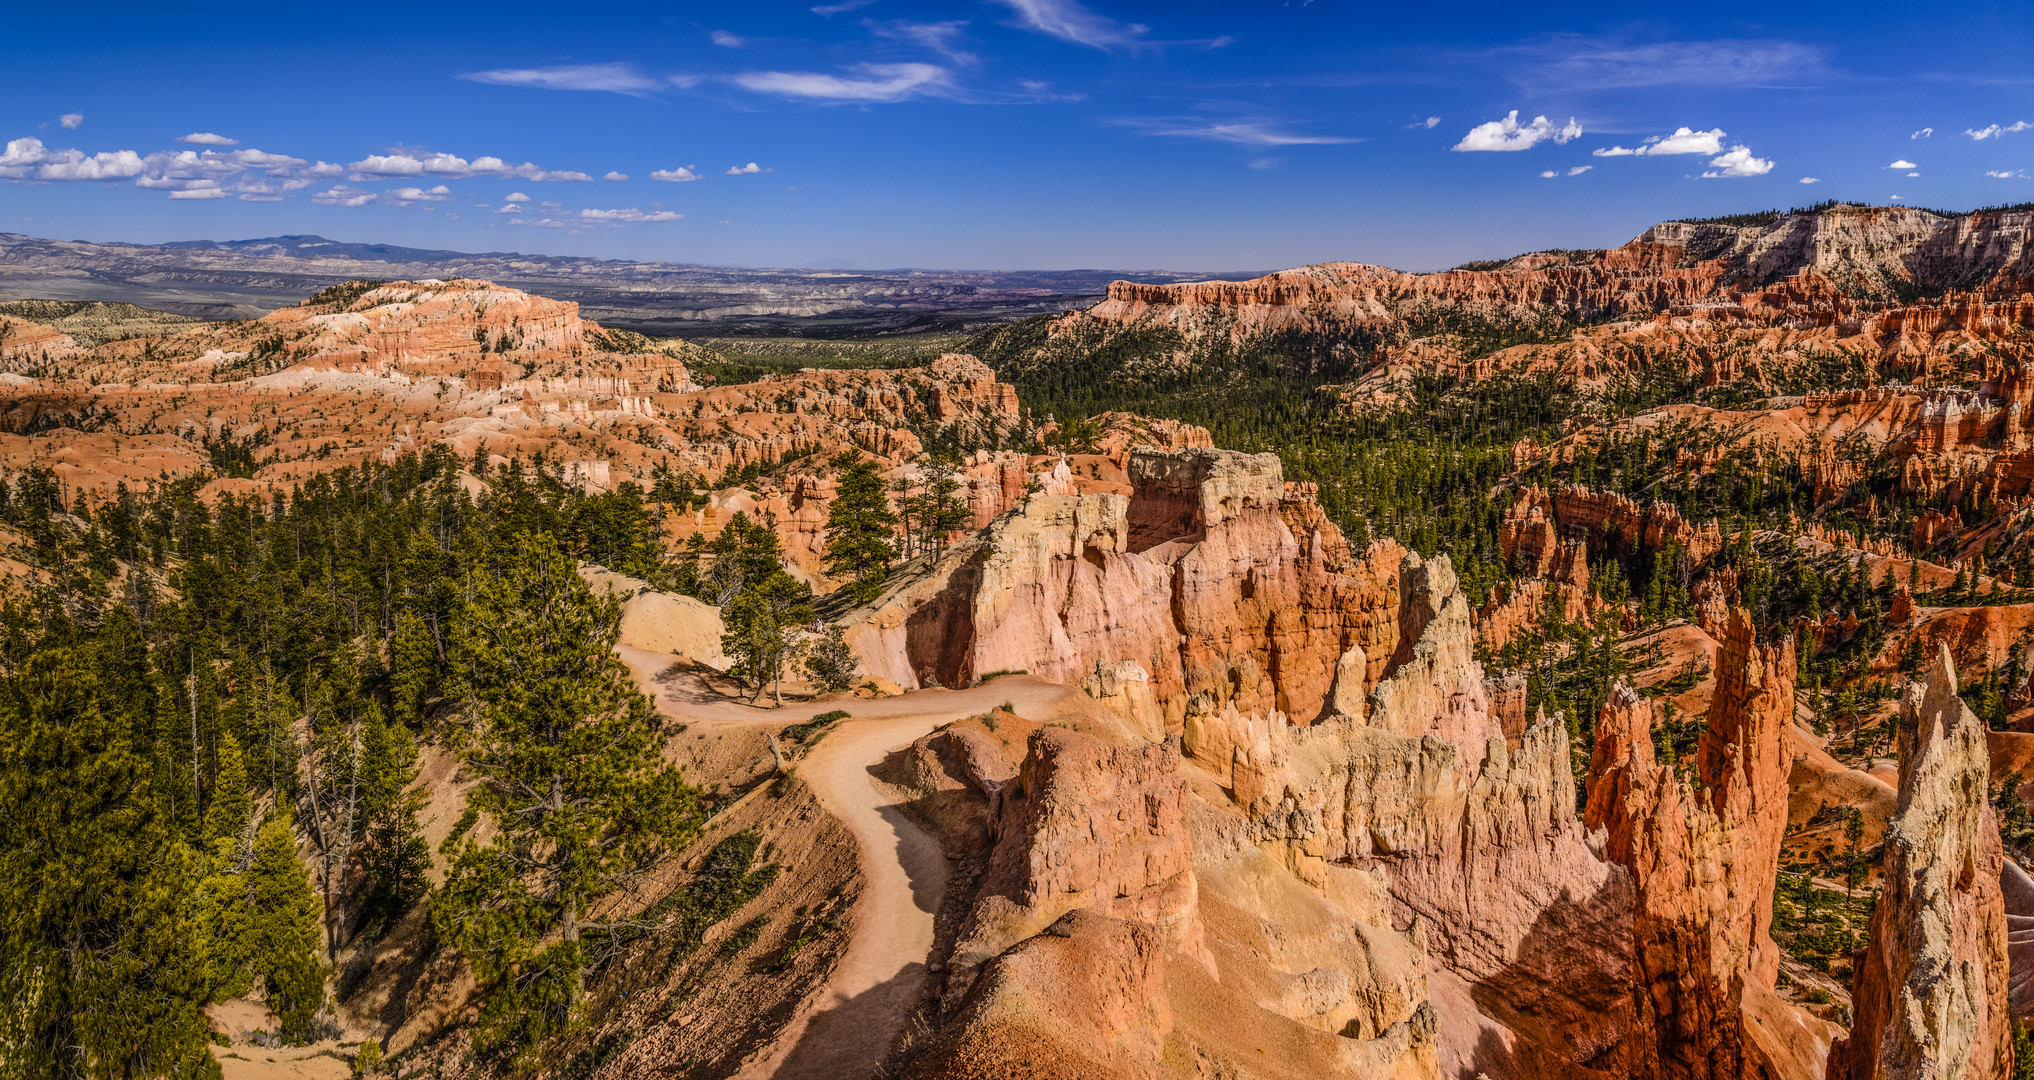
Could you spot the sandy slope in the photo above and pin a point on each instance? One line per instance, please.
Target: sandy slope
(847, 1030)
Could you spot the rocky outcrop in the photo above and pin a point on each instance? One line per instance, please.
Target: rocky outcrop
(1198, 576)
(367, 372)
(1821, 267)
(1090, 825)
(1082, 1000)
(1703, 860)
(1931, 991)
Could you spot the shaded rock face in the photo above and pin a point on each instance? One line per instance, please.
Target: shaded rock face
(1222, 586)
(1703, 859)
(1931, 993)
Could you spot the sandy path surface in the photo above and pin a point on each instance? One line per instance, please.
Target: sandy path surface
(847, 1030)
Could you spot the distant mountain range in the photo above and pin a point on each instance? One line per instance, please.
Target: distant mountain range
(240, 279)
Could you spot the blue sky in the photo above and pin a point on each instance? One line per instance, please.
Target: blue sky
(999, 134)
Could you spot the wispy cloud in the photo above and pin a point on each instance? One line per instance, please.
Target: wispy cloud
(1570, 62)
(830, 10)
(727, 40)
(2006, 174)
(682, 174)
(201, 193)
(610, 78)
(750, 169)
(207, 138)
(941, 37)
(1578, 170)
(1067, 20)
(864, 83)
(1995, 130)
(630, 214)
(1509, 134)
(1682, 141)
(1428, 124)
(71, 120)
(1737, 162)
(1241, 133)
(404, 164)
(1811, 180)
(1924, 133)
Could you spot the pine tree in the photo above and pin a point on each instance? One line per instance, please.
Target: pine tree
(832, 662)
(393, 855)
(567, 755)
(859, 525)
(2023, 1052)
(942, 512)
(761, 626)
(413, 669)
(102, 968)
(282, 929)
(227, 816)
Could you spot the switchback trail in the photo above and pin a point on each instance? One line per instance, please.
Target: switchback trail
(848, 1029)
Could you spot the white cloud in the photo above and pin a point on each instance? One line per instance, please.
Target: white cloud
(515, 196)
(540, 223)
(1580, 169)
(629, 214)
(1682, 141)
(2006, 174)
(1737, 161)
(1548, 174)
(207, 138)
(1067, 20)
(1509, 134)
(1996, 130)
(726, 40)
(200, 193)
(1428, 124)
(616, 176)
(611, 78)
(76, 165)
(868, 83)
(29, 159)
(830, 10)
(750, 169)
(679, 175)
(1811, 179)
(341, 195)
(512, 208)
(1912, 175)
(941, 37)
(1241, 133)
(403, 165)
(1924, 133)
(71, 120)
(404, 196)
(1903, 163)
